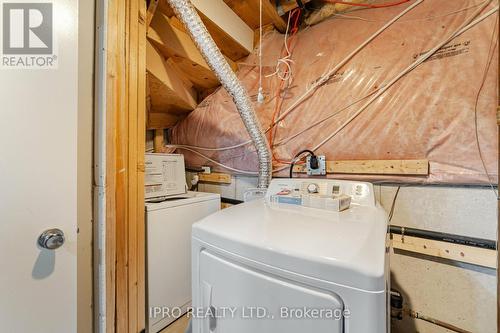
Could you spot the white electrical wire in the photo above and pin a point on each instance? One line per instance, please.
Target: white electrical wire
(260, 95)
(287, 61)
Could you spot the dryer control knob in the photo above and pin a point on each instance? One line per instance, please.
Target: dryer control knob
(312, 188)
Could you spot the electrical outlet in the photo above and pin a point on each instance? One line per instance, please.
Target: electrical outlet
(321, 170)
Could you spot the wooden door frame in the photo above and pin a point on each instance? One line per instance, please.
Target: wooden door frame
(124, 95)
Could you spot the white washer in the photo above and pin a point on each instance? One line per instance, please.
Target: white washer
(302, 269)
(168, 270)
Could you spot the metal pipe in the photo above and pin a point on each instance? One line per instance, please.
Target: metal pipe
(186, 12)
(444, 237)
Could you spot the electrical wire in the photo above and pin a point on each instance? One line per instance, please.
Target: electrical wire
(385, 87)
(294, 160)
(469, 23)
(489, 59)
(324, 78)
(260, 95)
(367, 5)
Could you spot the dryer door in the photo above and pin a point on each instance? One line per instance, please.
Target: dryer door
(241, 299)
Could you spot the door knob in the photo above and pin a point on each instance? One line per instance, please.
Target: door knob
(51, 239)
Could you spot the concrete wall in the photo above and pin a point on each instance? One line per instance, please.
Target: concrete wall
(85, 125)
(460, 294)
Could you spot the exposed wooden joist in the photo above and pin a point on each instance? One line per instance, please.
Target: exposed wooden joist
(248, 11)
(168, 89)
(165, 8)
(153, 5)
(445, 250)
(161, 120)
(375, 167)
(175, 22)
(177, 45)
(233, 36)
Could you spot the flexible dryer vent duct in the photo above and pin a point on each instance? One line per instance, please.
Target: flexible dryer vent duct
(199, 33)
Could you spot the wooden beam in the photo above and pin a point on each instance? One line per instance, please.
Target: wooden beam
(161, 120)
(167, 88)
(249, 11)
(165, 8)
(375, 167)
(215, 177)
(178, 46)
(444, 250)
(233, 36)
(153, 5)
(175, 22)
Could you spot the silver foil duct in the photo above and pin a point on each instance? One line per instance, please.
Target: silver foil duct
(186, 12)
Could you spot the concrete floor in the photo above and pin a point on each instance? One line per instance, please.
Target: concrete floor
(178, 326)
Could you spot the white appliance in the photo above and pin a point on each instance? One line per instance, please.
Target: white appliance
(165, 175)
(168, 270)
(276, 266)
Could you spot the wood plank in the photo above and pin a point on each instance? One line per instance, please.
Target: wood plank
(249, 11)
(168, 90)
(141, 148)
(375, 167)
(121, 131)
(112, 104)
(220, 14)
(444, 250)
(159, 141)
(161, 120)
(229, 47)
(165, 8)
(215, 177)
(178, 45)
(153, 5)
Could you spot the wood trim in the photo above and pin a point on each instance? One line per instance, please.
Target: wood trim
(444, 250)
(375, 167)
(125, 128)
(153, 5)
(215, 177)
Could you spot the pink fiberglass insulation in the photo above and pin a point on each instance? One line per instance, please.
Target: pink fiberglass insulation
(428, 114)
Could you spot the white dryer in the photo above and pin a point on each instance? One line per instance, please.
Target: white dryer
(275, 266)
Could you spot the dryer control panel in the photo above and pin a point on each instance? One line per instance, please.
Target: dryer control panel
(327, 194)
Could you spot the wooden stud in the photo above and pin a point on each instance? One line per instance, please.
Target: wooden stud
(125, 146)
(444, 250)
(214, 177)
(375, 167)
(159, 141)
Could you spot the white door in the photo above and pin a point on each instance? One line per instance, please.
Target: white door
(38, 164)
(245, 300)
